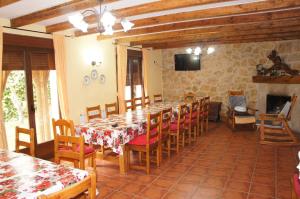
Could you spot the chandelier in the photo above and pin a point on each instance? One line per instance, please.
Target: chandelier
(105, 20)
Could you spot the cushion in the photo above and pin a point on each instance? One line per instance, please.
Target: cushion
(142, 140)
(237, 101)
(194, 122)
(87, 149)
(194, 115)
(173, 127)
(296, 184)
(286, 109)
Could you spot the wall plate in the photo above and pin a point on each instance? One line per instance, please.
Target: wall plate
(102, 78)
(86, 80)
(94, 74)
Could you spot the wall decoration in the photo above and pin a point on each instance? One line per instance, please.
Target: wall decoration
(86, 80)
(94, 74)
(102, 79)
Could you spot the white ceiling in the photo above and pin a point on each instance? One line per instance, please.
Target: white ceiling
(28, 6)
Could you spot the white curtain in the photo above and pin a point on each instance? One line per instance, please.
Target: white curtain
(3, 139)
(146, 58)
(122, 74)
(61, 73)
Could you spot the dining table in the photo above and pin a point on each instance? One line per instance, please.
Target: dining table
(26, 177)
(117, 130)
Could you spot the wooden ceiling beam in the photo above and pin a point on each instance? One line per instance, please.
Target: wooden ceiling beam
(263, 6)
(238, 27)
(137, 10)
(261, 17)
(7, 2)
(55, 11)
(242, 39)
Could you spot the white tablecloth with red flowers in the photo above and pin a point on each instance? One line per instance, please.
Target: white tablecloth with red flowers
(117, 130)
(23, 176)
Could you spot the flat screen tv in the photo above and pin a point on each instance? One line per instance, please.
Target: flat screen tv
(186, 62)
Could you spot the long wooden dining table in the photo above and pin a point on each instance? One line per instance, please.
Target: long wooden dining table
(117, 130)
(26, 177)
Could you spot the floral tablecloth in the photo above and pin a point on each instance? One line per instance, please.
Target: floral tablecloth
(23, 176)
(117, 130)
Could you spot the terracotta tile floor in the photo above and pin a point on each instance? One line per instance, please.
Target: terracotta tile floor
(221, 164)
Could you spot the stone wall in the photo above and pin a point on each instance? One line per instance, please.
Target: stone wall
(230, 67)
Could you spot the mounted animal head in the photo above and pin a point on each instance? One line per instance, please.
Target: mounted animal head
(274, 57)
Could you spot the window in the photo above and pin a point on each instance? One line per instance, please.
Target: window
(30, 97)
(134, 80)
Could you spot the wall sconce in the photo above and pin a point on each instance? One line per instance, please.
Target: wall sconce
(96, 63)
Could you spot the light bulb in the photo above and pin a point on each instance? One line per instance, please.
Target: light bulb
(189, 51)
(197, 51)
(126, 24)
(210, 50)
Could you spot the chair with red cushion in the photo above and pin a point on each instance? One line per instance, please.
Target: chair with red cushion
(177, 130)
(295, 187)
(201, 115)
(192, 122)
(147, 143)
(165, 131)
(93, 112)
(205, 113)
(138, 103)
(157, 98)
(68, 147)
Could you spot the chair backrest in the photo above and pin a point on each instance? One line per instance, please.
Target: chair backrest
(29, 133)
(157, 98)
(237, 98)
(288, 108)
(201, 107)
(73, 145)
(182, 110)
(194, 110)
(129, 105)
(166, 115)
(153, 127)
(111, 109)
(87, 184)
(93, 112)
(63, 127)
(138, 103)
(206, 104)
(147, 101)
(189, 97)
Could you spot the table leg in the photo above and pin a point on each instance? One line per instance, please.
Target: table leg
(123, 161)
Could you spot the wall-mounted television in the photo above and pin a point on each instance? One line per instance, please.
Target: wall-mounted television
(186, 62)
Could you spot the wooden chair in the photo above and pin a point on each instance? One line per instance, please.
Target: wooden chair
(93, 112)
(201, 115)
(20, 143)
(147, 101)
(274, 128)
(73, 191)
(166, 115)
(111, 109)
(192, 122)
(295, 187)
(189, 97)
(238, 112)
(205, 113)
(138, 103)
(157, 98)
(129, 105)
(177, 130)
(147, 143)
(68, 147)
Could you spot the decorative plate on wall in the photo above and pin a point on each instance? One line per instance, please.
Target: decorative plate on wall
(102, 79)
(94, 74)
(86, 80)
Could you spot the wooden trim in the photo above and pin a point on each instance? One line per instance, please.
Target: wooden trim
(137, 10)
(55, 11)
(227, 20)
(277, 80)
(27, 41)
(7, 2)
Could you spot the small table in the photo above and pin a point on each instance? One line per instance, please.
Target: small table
(23, 176)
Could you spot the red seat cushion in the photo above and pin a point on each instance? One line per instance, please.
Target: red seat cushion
(86, 150)
(194, 122)
(194, 115)
(296, 184)
(173, 127)
(142, 140)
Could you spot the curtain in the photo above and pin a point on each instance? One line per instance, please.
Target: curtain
(122, 73)
(61, 71)
(3, 139)
(146, 58)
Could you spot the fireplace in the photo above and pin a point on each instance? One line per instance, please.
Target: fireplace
(275, 103)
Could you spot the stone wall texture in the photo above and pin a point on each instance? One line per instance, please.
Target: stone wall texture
(231, 67)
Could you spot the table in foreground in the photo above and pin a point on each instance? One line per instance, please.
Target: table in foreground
(23, 176)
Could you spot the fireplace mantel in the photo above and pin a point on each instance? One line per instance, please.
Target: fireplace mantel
(277, 80)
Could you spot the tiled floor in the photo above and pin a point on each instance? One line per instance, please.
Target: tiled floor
(222, 164)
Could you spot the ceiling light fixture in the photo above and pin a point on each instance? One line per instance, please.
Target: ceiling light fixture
(105, 21)
(198, 50)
